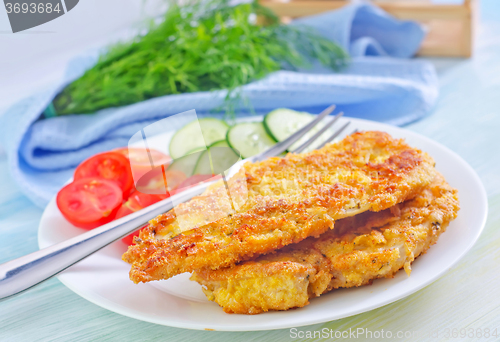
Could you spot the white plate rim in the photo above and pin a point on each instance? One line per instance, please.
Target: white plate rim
(109, 305)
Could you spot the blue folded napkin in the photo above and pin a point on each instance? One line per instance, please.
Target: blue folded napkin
(379, 84)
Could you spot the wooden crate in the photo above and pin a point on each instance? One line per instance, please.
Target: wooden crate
(450, 27)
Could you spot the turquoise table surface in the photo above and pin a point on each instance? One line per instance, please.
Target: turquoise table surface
(466, 119)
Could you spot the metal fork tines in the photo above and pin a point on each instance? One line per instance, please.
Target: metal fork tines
(336, 134)
(282, 146)
(312, 139)
(285, 144)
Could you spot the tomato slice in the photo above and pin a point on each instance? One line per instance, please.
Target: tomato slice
(139, 156)
(140, 161)
(138, 201)
(112, 166)
(135, 202)
(129, 239)
(125, 209)
(89, 202)
(153, 182)
(192, 181)
(145, 200)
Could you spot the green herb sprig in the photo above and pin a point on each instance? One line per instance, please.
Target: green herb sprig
(196, 48)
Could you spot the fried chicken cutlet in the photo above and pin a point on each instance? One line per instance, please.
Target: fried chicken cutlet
(281, 201)
(360, 249)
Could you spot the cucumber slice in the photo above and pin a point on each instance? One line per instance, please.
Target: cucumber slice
(217, 159)
(186, 164)
(249, 138)
(189, 138)
(283, 122)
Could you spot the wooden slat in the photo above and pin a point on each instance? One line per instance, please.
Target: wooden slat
(450, 26)
(445, 38)
(414, 11)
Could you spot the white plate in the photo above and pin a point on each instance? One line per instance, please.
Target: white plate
(103, 277)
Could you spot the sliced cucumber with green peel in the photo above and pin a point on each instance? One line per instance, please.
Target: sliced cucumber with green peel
(186, 164)
(249, 138)
(197, 135)
(216, 160)
(283, 122)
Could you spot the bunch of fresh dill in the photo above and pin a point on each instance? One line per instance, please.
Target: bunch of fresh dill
(196, 48)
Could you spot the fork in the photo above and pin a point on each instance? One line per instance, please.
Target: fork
(25, 272)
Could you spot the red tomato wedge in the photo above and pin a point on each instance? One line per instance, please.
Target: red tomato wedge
(125, 209)
(153, 182)
(140, 159)
(136, 202)
(112, 166)
(193, 180)
(129, 239)
(89, 202)
(139, 200)
(145, 200)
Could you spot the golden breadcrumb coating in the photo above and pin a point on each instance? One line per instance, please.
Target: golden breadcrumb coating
(359, 250)
(278, 202)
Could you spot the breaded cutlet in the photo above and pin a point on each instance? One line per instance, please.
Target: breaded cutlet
(278, 202)
(358, 250)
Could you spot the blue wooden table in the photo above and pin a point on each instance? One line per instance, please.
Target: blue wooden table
(466, 119)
